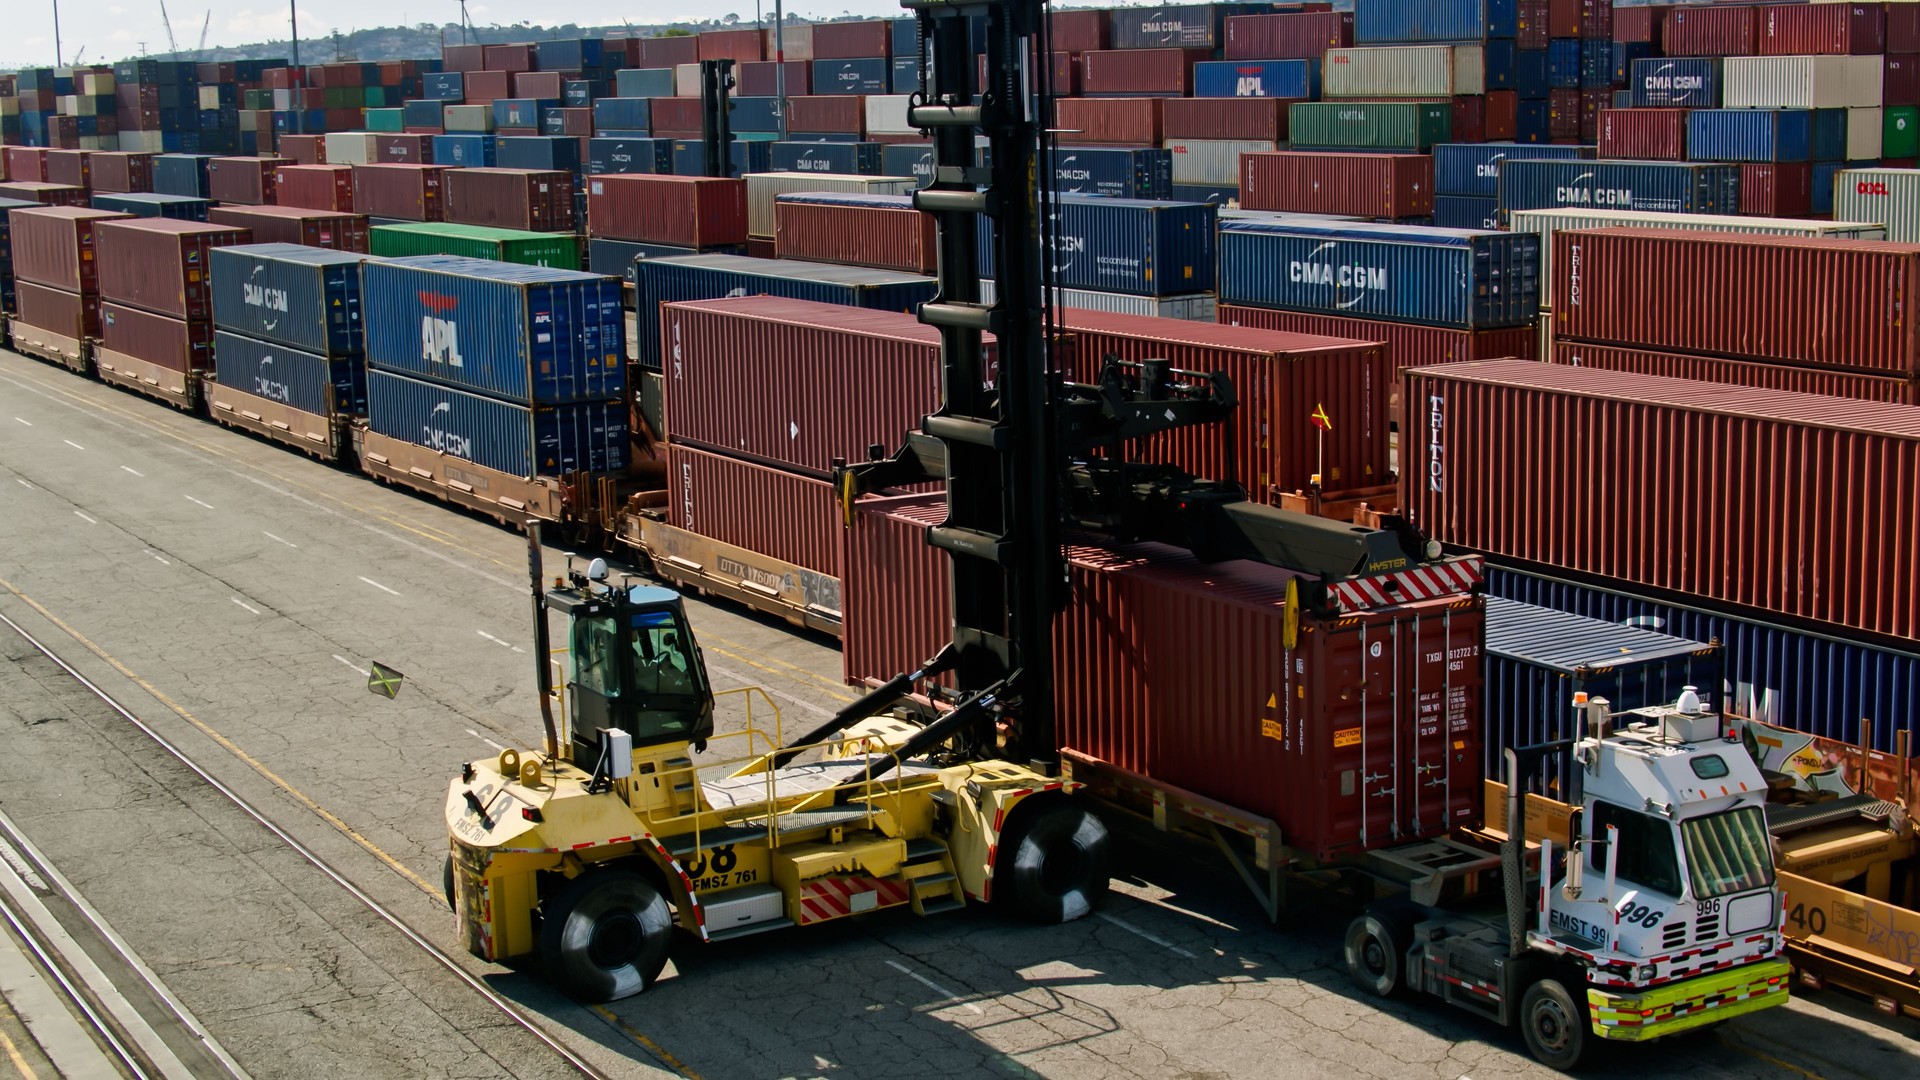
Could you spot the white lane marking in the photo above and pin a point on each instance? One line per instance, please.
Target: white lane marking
(23, 483)
(244, 604)
(951, 997)
(191, 499)
(134, 471)
(379, 586)
(73, 444)
(22, 867)
(499, 642)
(484, 739)
(270, 536)
(85, 518)
(148, 551)
(1132, 929)
(352, 665)
(29, 423)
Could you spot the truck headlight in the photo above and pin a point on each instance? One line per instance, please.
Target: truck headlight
(1645, 973)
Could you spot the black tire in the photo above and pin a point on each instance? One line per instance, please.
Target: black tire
(1376, 950)
(1555, 1026)
(604, 935)
(1056, 869)
(446, 881)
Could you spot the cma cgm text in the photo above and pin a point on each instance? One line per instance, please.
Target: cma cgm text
(1373, 278)
(1580, 196)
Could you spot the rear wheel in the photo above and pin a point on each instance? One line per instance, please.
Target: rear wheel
(1376, 950)
(605, 935)
(446, 879)
(1555, 1025)
(1057, 868)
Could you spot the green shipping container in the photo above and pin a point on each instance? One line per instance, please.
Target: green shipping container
(376, 97)
(558, 250)
(259, 99)
(1369, 125)
(386, 119)
(1900, 136)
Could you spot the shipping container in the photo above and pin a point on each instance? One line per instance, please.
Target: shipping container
(508, 437)
(122, 172)
(294, 225)
(624, 155)
(1676, 83)
(1280, 379)
(1364, 185)
(1787, 299)
(1465, 212)
(56, 311)
(161, 265)
(1106, 121)
(1777, 190)
(1652, 186)
(406, 192)
(147, 204)
(783, 515)
(302, 297)
(1891, 196)
(1382, 22)
(854, 378)
(557, 250)
(1761, 135)
(542, 152)
(839, 158)
(1190, 26)
(246, 180)
(620, 258)
(1415, 71)
(43, 193)
(1801, 82)
(761, 189)
(763, 79)
(1257, 119)
(1162, 72)
(1442, 277)
(712, 277)
(315, 187)
(524, 199)
(1195, 307)
(1473, 169)
(57, 246)
(830, 113)
(1545, 223)
(1832, 29)
(1127, 173)
(325, 386)
(1759, 375)
(24, 163)
(1369, 125)
(1159, 655)
(1139, 246)
(683, 211)
(665, 52)
(690, 158)
(1659, 134)
(1305, 36)
(181, 174)
(1712, 31)
(534, 335)
(183, 345)
(1719, 457)
(1212, 162)
(1293, 80)
(883, 232)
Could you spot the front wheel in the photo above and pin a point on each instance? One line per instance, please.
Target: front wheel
(1058, 867)
(1555, 1025)
(605, 935)
(1376, 950)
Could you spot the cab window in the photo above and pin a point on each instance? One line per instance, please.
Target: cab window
(1647, 855)
(596, 644)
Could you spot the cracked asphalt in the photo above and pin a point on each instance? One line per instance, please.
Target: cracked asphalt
(232, 594)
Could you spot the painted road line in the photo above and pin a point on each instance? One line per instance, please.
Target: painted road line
(484, 739)
(73, 444)
(197, 502)
(134, 471)
(85, 518)
(25, 421)
(500, 642)
(950, 998)
(244, 604)
(277, 539)
(1132, 929)
(354, 666)
(379, 586)
(161, 561)
(23, 483)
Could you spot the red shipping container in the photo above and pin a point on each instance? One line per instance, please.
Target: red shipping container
(296, 225)
(56, 311)
(1638, 25)
(485, 87)
(1108, 121)
(1531, 31)
(246, 180)
(1364, 185)
(160, 265)
(1644, 134)
(1065, 73)
(676, 114)
(1469, 118)
(1797, 505)
(403, 149)
(1900, 82)
(527, 199)
(1834, 303)
(26, 163)
(1284, 37)
(1781, 190)
(852, 40)
(1502, 115)
(1166, 72)
(1712, 31)
(1563, 115)
(538, 84)
(777, 513)
(735, 45)
(510, 58)
(1823, 30)
(1280, 379)
(680, 211)
(894, 236)
(573, 122)
(315, 187)
(1563, 18)
(1793, 380)
(835, 113)
(304, 149)
(71, 167)
(666, 52)
(1254, 119)
(408, 192)
(1163, 659)
(463, 57)
(1903, 28)
(1596, 19)
(122, 172)
(761, 78)
(161, 340)
(1075, 31)
(56, 246)
(853, 378)
(45, 194)
(1592, 104)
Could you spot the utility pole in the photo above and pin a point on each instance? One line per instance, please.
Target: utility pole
(299, 103)
(56, 33)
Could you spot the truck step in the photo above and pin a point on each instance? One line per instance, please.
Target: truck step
(932, 879)
(749, 929)
(940, 905)
(925, 850)
(685, 844)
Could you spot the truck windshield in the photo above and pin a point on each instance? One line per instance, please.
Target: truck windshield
(1728, 853)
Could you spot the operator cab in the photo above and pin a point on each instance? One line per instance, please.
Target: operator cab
(635, 666)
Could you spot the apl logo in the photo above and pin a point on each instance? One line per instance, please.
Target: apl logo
(440, 337)
(438, 438)
(1249, 82)
(268, 387)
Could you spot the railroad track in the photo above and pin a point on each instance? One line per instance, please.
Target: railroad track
(136, 1060)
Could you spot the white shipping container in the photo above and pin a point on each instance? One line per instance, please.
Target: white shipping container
(466, 119)
(1802, 82)
(795, 41)
(1404, 71)
(141, 142)
(96, 84)
(210, 97)
(1864, 134)
(1544, 223)
(1888, 196)
(1193, 307)
(686, 80)
(355, 147)
(762, 187)
(1212, 162)
(887, 115)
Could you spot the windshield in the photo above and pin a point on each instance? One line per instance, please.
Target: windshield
(662, 661)
(1728, 853)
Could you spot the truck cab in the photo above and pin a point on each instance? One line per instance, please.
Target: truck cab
(635, 668)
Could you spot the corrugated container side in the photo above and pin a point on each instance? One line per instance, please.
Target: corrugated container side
(1406, 71)
(1473, 169)
(1544, 223)
(160, 264)
(1184, 26)
(1712, 31)
(1123, 172)
(851, 40)
(1128, 245)
(1111, 121)
(315, 187)
(299, 297)
(1777, 190)
(1212, 162)
(763, 188)
(1886, 195)
(560, 251)
(174, 344)
(1652, 134)
(1834, 303)
(1263, 119)
(527, 199)
(1492, 438)
(56, 246)
(57, 311)
(1365, 185)
(146, 204)
(1370, 125)
(1758, 375)
(1837, 29)
(501, 435)
(1676, 83)
(1802, 82)
(407, 192)
(1304, 36)
(309, 382)
(1389, 21)
(683, 211)
(122, 172)
(780, 514)
(243, 179)
(1653, 186)
(293, 225)
(844, 113)
(884, 232)
(1757, 135)
(1293, 80)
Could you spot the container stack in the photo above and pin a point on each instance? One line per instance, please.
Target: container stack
(558, 250)
(1136, 256)
(156, 304)
(55, 273)
(634, 216)
(297, 225)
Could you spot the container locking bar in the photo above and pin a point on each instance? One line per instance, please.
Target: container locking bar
(965, 430)
(961, 316)
(980, 545)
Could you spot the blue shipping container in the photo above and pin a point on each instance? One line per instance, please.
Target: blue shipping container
(623, 114)
(868, 75)
(1563, 63)
(520, 112)
(1830, 133)
(1662, 187)
(910, 159)
(629, 156)
(1756, 135)
(1530, 74)
(1676, 83)
(846, 158)
(1625, 55)
(320, 385)
(1135, 246)
(1189, 26)
(1465, 212)
(142, 204)
(906, 37)
(1824, 175)
(530, 334)
(1122, 172)
(569, 54)
(304, 297)
(1203, 193)
(906, 74)
(643, 82)
(551, 440)
(181, 174)
(1296, 79)
(754, 114)
(1440, 277)
(559, 152)
(1383, 22)
(579, 93)
(710, 277)
(618, 257)
(467, 151)
(1532, 124)
(690, 157)
(443, 86)
(1474, 168)
(424, 113)
(1779, 674)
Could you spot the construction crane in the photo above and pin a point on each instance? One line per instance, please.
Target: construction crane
(205, 25)
(172, 45)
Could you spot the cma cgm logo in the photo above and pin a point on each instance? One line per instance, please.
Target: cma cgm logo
(1320, 268)
(269, 387)
(439, 438)
(1066, 248)
(1067, 170)
(440, 336)
(1158, 23)
(1577, 195)
(1490, 168)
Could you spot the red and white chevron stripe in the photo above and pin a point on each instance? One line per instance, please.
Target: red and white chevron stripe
(830, 898)
(1449, 578)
